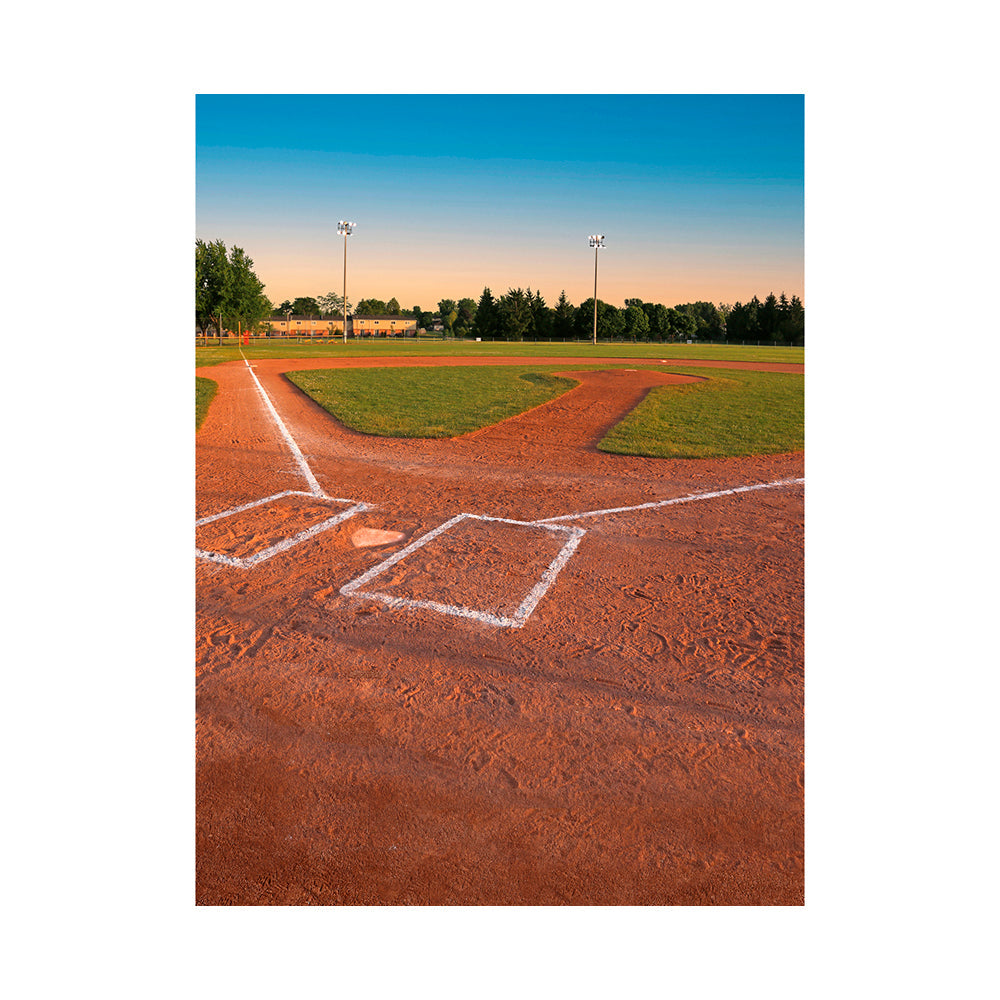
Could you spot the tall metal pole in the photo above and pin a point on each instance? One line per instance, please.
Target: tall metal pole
(597, 242)
(345, 229)
(595, 296)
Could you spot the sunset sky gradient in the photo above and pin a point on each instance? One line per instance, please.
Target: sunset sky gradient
(699, 197)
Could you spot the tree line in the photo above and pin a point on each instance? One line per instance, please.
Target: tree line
(522, 314)
(229, 295)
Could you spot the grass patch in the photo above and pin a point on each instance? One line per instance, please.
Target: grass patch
(739, 413)
(408, 347)
(427, 402)
(204, 392)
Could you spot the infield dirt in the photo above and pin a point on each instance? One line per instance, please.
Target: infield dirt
(639, 740)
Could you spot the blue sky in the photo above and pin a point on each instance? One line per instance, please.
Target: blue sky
(699, 197)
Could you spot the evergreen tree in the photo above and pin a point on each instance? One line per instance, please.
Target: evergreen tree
(769, 318)
(485, 322)
(514, 314)
(542, 318)
(562, 318)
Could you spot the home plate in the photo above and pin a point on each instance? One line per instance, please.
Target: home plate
(366, 537)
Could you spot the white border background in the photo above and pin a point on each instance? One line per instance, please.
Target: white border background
(898, 291)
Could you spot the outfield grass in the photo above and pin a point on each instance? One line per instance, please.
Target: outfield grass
(408, 347)
(725, 415)
(204, 392)
(428, 402)
(738, 413)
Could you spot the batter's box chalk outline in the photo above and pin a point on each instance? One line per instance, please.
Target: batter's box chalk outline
(285, 544)
(524, 610)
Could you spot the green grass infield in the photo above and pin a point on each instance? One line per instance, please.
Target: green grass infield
(724, 415)
(428, 402)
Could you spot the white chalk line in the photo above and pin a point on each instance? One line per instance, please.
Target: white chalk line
(524, 610)
(667, 503)
(247, 506)
(315, 487)
(285, 544)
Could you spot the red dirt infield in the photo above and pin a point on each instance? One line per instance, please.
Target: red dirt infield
(636, 740)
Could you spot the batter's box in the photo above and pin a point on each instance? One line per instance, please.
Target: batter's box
(490, 569)
(253, 532)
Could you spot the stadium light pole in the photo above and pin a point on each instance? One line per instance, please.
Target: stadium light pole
(597, 242)
(288, 323)
(345, 229)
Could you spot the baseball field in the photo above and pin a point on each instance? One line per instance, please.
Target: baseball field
(553, 655)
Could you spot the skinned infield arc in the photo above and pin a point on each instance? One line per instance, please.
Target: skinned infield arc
(356, 701)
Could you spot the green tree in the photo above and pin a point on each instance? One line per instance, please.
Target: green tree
(792, 324)
(707, 320)
(610, 321)
(742, 323)
(514, 312)
(636, 323)
(332, 304)
(679, 325)
(392, 307)
(226, 288)
(306, 306)
(212, 284)
(769, 318)
(541, 317)
(724, 309)
(371, 307)
(656, 317)
(424, 319)
(562, 318)
(583, 320)
(485, 322)
(445, 309)
(466, 310)
(249, 304)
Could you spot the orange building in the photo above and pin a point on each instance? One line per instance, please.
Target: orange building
(357, 326)
(382, 326)
(305, 326)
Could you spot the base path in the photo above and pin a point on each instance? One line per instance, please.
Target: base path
(568, 677)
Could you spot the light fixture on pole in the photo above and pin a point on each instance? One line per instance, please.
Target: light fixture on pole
(345, 229)
(597, 242)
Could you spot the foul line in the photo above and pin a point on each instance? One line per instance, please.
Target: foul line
(675, 500)
(314, 486)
